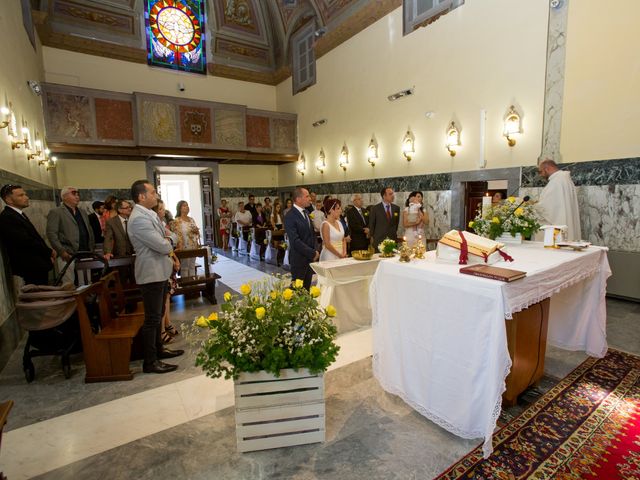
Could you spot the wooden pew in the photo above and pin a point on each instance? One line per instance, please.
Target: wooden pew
(205, 284)
(107, 352)
(127, 294)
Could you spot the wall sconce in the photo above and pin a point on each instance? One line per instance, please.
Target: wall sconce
(6, 114)
(512, 125)
(453, 139)
(343, 160)
(25, 140)
(52, 163)
(38, 150)
(45, 157)
(321, 163)
(408, 145)
(372, 151)
(301, 167)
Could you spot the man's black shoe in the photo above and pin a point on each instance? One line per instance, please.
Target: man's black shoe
(168, 353)
(159, 367)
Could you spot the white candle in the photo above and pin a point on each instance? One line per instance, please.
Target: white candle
(486, 204)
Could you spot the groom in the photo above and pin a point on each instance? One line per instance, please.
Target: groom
(302, 238)
(384, 218)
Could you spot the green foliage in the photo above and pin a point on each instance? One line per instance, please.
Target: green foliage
(272, 326)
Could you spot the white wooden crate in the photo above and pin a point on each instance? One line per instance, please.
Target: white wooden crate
(273, 412)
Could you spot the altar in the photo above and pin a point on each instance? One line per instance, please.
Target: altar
(345, 285)
(440, 341)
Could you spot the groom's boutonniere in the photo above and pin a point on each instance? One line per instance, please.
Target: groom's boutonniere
(366, 214)
(395, 214)
(311, 216)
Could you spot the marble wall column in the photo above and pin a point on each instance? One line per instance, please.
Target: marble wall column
(554, 84)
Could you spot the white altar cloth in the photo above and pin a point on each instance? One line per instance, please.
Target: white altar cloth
(439, 337)
(345, 285)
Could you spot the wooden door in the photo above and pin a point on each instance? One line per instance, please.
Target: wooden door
(474, 192)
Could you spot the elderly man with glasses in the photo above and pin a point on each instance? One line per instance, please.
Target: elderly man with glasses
(69, 230)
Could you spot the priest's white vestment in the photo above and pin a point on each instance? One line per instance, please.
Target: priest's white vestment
(558, 204)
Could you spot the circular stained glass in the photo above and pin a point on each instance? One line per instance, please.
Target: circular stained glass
(176, 26)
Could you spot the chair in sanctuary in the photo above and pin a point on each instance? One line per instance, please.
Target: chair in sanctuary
(270, 252)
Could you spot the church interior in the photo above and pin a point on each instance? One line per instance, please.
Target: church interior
(341, 97)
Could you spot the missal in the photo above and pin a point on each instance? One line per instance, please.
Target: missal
(495, 273)
(476, 244)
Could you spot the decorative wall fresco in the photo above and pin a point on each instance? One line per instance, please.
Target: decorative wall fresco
(229, 128)
(195, 124)
(114, 119)
(69, 116)
(258, 131)
(284, 133)
(158, 122)
(240, 13)
(95, 16)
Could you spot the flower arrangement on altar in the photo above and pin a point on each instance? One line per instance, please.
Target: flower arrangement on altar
(506, 217)
(387, 247)
(273, 325)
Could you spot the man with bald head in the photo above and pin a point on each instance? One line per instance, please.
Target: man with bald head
(558, 203)
(69, 230)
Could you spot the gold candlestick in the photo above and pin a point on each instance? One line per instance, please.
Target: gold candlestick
(405, 252)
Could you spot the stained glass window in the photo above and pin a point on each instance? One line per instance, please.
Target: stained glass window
(175, 36)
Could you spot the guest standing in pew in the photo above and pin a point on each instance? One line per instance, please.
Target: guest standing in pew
(95, 221)
(302, 238)
(69, 231)
(384, 218)
(29, 256)
(288, 205)
(116, 237)
(358, 224)
(188, 237)
(155, 261)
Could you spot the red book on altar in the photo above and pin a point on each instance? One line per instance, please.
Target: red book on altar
(494, 273)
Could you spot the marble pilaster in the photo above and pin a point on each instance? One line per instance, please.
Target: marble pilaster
(554, 84)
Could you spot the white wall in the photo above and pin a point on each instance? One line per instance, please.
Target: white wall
(110, 174)
(487, 54)
(81, 70)
(248, 175)
(601, 111)
(20, 62)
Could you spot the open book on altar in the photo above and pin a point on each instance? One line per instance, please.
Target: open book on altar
(480, 249)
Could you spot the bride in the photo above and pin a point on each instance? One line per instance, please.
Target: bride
(334, 245)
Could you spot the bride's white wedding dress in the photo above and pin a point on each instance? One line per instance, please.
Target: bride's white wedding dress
(336, 238)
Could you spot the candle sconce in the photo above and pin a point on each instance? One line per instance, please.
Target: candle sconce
(372, 151)
(52, 163)
(38, 149)
(45, 157)
(302, 165)
(24, 142)
(343, 161)
(6, 114)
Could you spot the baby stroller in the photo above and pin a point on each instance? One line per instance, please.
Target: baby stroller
(48, 315)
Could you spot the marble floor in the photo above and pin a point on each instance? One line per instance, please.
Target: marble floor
(181, 425)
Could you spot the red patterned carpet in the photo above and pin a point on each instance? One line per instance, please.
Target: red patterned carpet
(586, 427)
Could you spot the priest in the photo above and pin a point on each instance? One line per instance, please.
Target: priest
(558, 203)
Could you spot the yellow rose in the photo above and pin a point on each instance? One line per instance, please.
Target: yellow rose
(260, 312)
(471, 224)
(519, 212)
(245, 289)
(213, 317)
(395, 214)
(227, 296)
(202, 322)
(512, 199)
(331, 310)
(495, 220)
(314, 291)
(287, 294)
(274, 295)
(298, 283)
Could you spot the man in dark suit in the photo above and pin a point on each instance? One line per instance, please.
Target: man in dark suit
(384, 218)
(29, 255)
(94, 220)
(357, 218)
(302, 238)
(116, 237)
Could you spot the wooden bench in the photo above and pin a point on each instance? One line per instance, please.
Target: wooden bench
(205, 284)
(127, 294)
(107, 352)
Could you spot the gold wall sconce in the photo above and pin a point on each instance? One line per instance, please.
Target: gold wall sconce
(38, 149)
(45, 157)
(453, 139)
(321, 163)
(301, 167)
(6, 115)
(372, 151)
(343, 159)
(512, 125)
(408, 145)
(25, 140)
(52, 163)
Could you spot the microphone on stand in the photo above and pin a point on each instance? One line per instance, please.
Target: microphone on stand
(525, 199)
